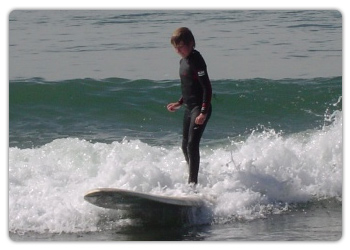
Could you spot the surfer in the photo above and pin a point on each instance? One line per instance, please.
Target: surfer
(196, 97)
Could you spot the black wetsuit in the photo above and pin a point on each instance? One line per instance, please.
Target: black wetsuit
(196, 96)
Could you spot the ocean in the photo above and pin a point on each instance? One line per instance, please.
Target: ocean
(88, 91)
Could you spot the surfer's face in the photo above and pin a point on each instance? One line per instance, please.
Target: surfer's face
(183, 49)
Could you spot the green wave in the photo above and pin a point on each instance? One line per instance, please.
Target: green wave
(114, 107)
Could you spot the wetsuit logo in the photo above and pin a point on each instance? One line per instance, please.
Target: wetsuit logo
(201, 73)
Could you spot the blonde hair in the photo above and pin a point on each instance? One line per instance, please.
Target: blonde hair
(184, 35)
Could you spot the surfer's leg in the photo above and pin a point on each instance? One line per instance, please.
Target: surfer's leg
(194, 137)
(185, 132)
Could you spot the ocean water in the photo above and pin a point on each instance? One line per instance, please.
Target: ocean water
(87, 108)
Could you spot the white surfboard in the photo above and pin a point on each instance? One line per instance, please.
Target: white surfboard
(125, 199)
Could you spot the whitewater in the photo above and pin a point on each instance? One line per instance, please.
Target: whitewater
(268, 173)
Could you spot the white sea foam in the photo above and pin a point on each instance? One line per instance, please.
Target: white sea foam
(247, 179)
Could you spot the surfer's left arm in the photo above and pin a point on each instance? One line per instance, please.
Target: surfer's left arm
(203, 79)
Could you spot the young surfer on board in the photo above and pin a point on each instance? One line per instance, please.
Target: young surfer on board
(196, 97)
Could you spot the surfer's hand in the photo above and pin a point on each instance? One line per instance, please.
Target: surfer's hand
(200, 119)
(172, 107)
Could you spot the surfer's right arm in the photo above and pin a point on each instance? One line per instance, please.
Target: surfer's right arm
(172, 107)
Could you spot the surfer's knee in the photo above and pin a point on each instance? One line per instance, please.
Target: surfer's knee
(193, 145)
